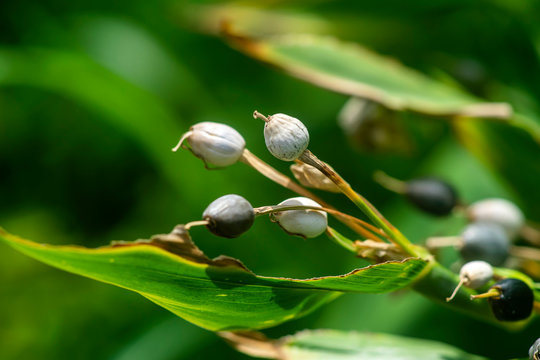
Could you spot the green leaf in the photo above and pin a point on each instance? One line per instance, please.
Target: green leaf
(341, 345)
(218, 294)
(349, 69)
(330, 344)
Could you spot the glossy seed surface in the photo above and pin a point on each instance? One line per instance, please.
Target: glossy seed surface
(515, 302)
(229, 216)
(432, 195)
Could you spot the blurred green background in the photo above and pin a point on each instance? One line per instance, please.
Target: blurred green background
(94, 94)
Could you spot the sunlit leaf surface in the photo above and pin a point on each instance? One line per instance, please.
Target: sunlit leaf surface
(218, 294)
(342, 345)
(350, 69)
(333, 345)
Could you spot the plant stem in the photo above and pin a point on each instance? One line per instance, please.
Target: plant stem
(531, 233)
(438, 283)
(269, 172)
(389, 182)
(191, 224)
(341, 240)
(525, 252)
(367, 229)
(367, 208)
(258, 115)
(181, 141)
(435, 242)
(491, 293)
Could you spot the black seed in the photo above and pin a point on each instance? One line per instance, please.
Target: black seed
(229, 216)
(432, 195)
(515, 302)
(485, 241)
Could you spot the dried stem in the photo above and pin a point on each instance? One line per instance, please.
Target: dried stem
(184, 137)
(268, 171)
(531, 234)
(525, 252)
(253, 344)
(394, 234)
(460, 284)
(191, 224)
(443, 241)
(368, 229)
(258, 115)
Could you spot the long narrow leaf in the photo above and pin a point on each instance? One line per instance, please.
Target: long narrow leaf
(342, 345)
(349, 69)
(218, 294)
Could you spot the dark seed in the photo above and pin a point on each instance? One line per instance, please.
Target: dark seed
(229, 216)
(515, 302)
(485, 241)
(432, 195)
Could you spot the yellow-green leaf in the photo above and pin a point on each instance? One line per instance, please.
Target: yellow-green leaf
(350, 69)
(342, 345)
(218, 294)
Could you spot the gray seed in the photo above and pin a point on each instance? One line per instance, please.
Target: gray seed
(485, 241)
(229, 216)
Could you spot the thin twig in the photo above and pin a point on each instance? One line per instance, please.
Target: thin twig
(181, 141)
(393, 233)
(435, 242)
(268, 171)
(389, 182)
(372, 230)
(191, 224)
(525, 252)
(530, 233)
(341, 240)
(461, 281)
(491, 293)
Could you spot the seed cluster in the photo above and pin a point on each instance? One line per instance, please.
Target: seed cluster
(485, 242)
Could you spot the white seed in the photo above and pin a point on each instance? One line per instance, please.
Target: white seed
(476, 274)
(534, 350)
(285, 137)
(498, 211)
(305, 223)
(215, 143)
